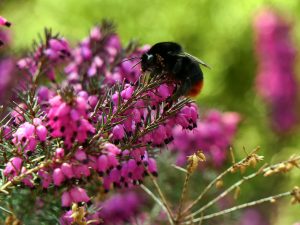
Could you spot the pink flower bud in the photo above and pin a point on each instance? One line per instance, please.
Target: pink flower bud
(92, 100)
(115, 98)
(163, 91)
(80, 155)
(28, 179)
(81, 103)
(92, 70)
(136, 115)
(84, 95)
(98, 61)
(58, 177)
(4, 22)
(41, 132)
(118, 132)
(102, 163)
(63, 110)
(13, 167)
(127, 93)
(152, 166)
(111, 148)
(95, 33)
(86, 52)
(81, 171)
(131, 165)
(79, 195)
(46, 178)
(37, 121)
(59, 153)
(75, 115)
(67, 170)
(112, 160)
(66, 200)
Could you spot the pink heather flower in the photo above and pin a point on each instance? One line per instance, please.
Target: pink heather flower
(18, 113)
(102, 164)
(59, 153)
(67, 218)
(92, 100)
(6, 78)
(121, 208)
(164, 91)
(54, 51)
(41, 132)
(6, 131)
(67, 170)
(45, 177)
(13, 167)
(78, 195)
(28, 179)
(95, 33)
(213, 135)
(25, 137)
(118, 132)
(111, 148)
(58, 49)
(81, 170)
(152, 166)
(4, 37)
(80, 155)
(86, 52)
(127, 92)
(113, 45)
(69, 122)
(58, 177)
(4, 22)
(276, 81)
(93, 54)
(27, 64)
(66, 200)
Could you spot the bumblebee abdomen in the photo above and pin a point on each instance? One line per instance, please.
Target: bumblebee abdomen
(195, 89)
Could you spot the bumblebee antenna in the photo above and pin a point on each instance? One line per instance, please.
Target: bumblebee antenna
(129, 59)
(136, 64)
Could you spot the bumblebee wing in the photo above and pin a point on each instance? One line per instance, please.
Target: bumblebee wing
(195, 59)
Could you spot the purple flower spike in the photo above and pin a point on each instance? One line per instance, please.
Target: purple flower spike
(276, 81)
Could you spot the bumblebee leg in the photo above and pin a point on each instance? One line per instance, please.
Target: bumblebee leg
(183, 89)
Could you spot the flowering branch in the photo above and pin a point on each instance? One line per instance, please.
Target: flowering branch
(249, 204)
(289, 164)
(219, 177)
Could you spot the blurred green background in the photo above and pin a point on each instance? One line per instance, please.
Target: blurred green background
(218, 32)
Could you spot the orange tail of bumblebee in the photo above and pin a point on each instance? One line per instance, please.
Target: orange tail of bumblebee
(196, 89)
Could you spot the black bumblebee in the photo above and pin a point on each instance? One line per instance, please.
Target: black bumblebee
(170, 59)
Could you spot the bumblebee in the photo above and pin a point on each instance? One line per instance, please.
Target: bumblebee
(170, 59)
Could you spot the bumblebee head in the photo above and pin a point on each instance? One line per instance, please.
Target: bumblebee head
(147, 61)
(158, 53)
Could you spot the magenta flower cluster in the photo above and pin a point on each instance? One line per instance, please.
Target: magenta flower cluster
(99, 123)
(46, 57)
(276, 81)
(121, 208)
(7, 63)
(213, 135)
(6, 23)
